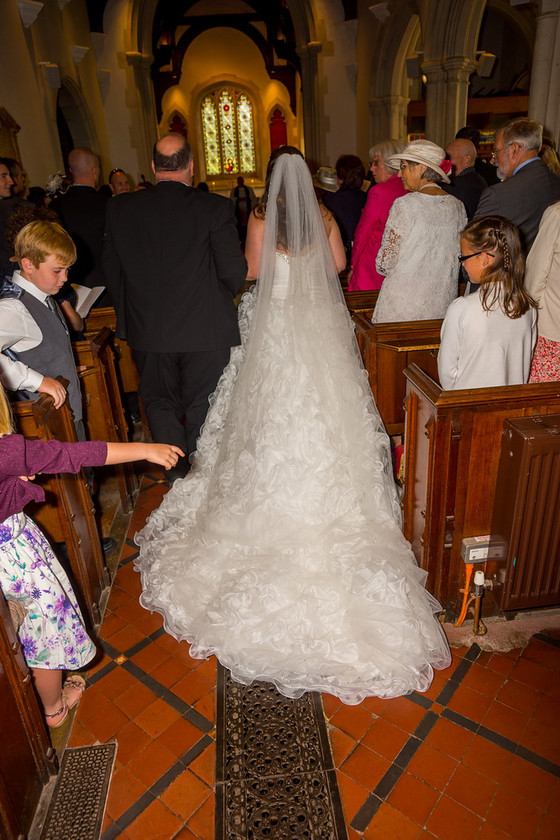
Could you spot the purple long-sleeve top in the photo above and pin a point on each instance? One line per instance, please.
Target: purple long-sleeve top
(369, 233)
(19, 456)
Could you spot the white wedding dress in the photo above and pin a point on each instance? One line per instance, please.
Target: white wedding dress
(281, 551)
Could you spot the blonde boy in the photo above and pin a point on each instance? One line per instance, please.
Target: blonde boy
(34, 341)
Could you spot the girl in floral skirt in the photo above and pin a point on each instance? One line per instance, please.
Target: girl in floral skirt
(51, 632)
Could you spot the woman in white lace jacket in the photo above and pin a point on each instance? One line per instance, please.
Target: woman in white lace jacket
(420, 245)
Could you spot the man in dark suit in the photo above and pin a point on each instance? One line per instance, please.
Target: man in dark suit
(466, 184)
(82, 212)
(527, 187)
(172, 256)
(483, 167)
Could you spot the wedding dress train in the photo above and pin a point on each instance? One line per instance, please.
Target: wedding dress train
(281, 551)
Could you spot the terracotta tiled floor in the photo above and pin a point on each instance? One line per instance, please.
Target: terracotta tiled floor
(476, 757)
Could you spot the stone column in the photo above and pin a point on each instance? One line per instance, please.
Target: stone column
(458, 71)
(436, 100)
(544, 99)
(388, 118)
(397, 113)
(143, 112)
(310, 102)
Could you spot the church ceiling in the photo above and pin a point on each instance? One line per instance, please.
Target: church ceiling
(178, 22)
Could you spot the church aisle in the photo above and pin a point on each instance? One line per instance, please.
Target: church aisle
(477, 756)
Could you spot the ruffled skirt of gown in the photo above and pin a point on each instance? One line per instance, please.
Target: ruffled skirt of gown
(281, 551)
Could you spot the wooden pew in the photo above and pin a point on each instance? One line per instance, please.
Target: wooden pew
(355, 301)
(27, 760)
(107, 317)
(363, 302)
(103, 412)
(67, 515)
(387, 349)
(127, 374)
(452, 449)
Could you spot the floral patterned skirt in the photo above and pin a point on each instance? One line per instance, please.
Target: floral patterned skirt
(545, 366)
(52, 634)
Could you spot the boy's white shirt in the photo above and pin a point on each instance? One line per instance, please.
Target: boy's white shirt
(19, 331)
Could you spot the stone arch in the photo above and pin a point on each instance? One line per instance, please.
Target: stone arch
(523, 19)
(451, 29)
(389, 88)
(75, 125)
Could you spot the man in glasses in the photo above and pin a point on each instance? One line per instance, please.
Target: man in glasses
(527, 187)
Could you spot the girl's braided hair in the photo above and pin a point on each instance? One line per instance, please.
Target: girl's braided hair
(503, 281)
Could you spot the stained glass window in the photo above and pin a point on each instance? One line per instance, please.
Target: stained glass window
(210, 133)
(245, 130)
(228, 132)
(230, 160)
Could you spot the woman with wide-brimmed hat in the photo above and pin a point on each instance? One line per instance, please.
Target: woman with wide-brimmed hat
(420, 245)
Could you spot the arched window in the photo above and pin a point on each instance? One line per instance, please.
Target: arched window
(278, 131)
(228, 132)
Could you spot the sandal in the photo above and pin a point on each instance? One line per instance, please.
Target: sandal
(63, 708)
(75, 683)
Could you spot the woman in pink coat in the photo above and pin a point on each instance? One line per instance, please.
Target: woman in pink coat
(369, 232)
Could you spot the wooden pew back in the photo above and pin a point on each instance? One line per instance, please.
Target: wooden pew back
(452, 450)
(67, 515)
(27, 760)
(107, 317)
(361, 302)
(387, 349)
(103, 412)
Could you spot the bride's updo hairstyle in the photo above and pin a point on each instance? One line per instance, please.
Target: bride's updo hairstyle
(503, 281)
(281, 200)
(260, 209)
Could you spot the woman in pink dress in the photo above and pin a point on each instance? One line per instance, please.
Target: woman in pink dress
(369, 232)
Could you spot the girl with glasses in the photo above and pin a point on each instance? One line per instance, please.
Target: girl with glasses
(487, 337)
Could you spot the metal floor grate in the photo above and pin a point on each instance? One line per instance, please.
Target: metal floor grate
(78, 804)
(275, 776)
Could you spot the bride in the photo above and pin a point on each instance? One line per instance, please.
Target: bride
(281, 551)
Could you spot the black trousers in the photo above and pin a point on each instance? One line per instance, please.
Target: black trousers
(175, 388)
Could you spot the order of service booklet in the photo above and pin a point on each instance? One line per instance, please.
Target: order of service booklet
(86, 297)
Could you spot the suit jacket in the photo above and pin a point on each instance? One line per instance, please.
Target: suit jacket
(82, 213)
(346, 205)
(522, 199)
(172, 258)
(467, 188)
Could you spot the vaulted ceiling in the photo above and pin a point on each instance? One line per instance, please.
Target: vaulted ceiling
(178, 22)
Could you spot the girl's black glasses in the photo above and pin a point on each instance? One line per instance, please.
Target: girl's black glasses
(463, 258)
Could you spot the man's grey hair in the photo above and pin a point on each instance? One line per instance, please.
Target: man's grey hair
(177, 162)
(527, 133)
(386, 148)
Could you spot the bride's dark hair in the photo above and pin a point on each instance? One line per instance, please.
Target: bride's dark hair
(260, 209)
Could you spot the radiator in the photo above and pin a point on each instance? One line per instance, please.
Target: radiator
(525, 541)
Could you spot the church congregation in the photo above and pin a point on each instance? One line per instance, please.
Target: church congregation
(312, 364)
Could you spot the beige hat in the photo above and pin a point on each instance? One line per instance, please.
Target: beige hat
(422, 151)
(326, 179)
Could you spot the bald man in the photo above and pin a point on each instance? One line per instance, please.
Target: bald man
(174, 265)
(466, 184)
(82, 212)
